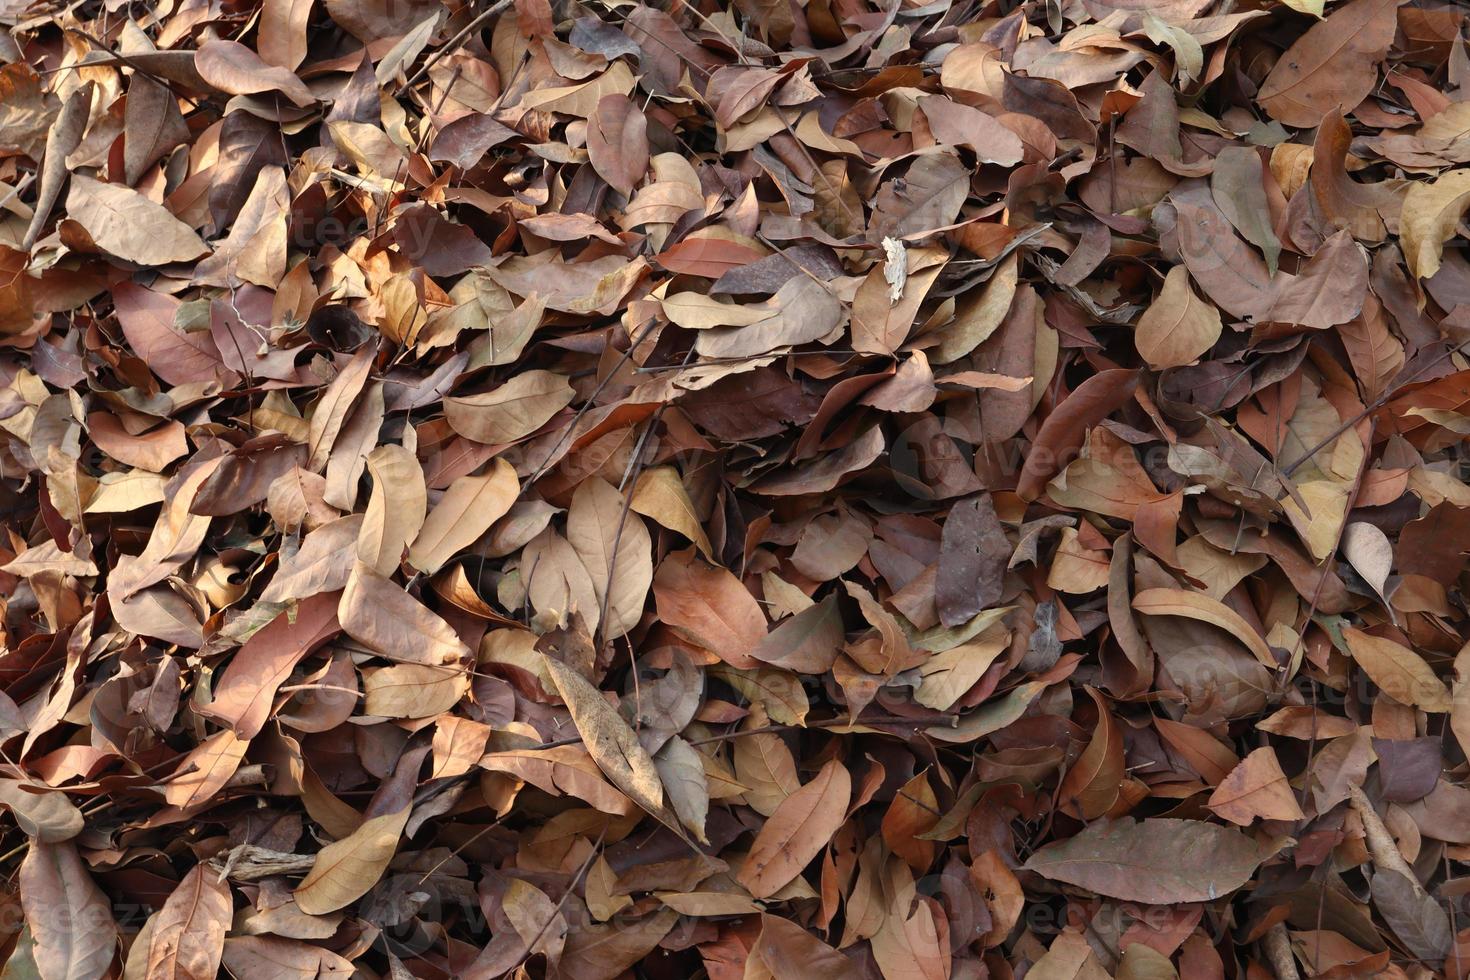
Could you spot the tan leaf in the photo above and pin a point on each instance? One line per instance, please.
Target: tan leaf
(204, 771)
(466, 511)
(412, 690)
(616, 551)
(801, 311)
(389, 621)
(281, 37)
(910, 944)
(1431, 211)
(948, 675)
(801, 826)
(321, 564)
(124, 223)
(395, 511)
(979, 316)
(660, 495)
(512, 411)
(232, 67)
(48, 817)
(608, 739)
(681, 770)
(1256, 788)
(347, 869)
(1398, 671)
(1178, 327)
(565, 769)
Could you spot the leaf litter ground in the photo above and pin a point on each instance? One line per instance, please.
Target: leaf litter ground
(827, 489)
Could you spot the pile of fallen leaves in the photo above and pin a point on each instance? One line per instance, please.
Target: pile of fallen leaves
(754, 489)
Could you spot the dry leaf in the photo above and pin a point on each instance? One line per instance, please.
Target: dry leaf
(797, 831)
(1398, 671)
(124, 223)
(608, 738)
(466, 511)
(345, 870)
(1178, 327)
(572, 429)
(69, 917)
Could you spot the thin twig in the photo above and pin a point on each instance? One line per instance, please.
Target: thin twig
(453, 44)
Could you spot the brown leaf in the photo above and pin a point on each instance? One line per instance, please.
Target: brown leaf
(709, 605)
(617, 142)
(122, 222)
(799, 829)
(1192, 605)
(69, 917)
(346, 869)
(807, 642)
(282, 32)
(244, 696)
(1091, 785)
(926, 199)
(973, 556)
(1159, 861)
(1333, 64)
(62, 140)
(186, 938)
(1063, 431)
